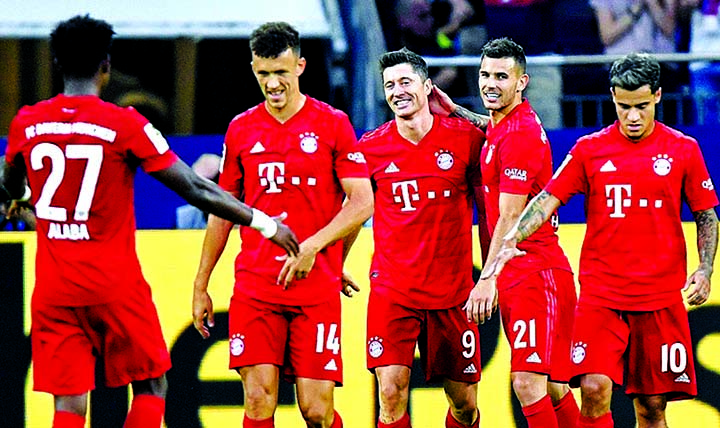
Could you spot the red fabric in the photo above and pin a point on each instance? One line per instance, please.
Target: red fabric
(303, 340)
(337, 421)
(541, 414)
(146, 411)
(84, 154)
(68, 420)
(259, 423)
(423, 212)
(517, 160)
(633, 255)
(567, 411)
(449, 344)
(535, 317)
(604, 421)
(293, 167)
(403, 422)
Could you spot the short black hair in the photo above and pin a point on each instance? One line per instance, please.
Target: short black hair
(404, 56)
(634, 71)
(273, 38)
(505, 48)
(80, 44)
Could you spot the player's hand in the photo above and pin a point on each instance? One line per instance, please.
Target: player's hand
(507, 253)
(482, 301)
(17, 208)
(697, 287)
(348, 285)
(440, 103)
(284, 237)
(299, 266)
(202, 309)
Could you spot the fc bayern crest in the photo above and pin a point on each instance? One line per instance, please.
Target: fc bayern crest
(662, 164)
(375, 347)
(578, 352)
(308, 142)
(237, 345)
(445, 159)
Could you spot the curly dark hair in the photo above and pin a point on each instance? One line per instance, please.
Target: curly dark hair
(505, 48)
(404, 56)
(634, 71)
(80, 44)
(273, 38)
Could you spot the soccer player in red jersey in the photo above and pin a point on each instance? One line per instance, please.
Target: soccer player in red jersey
(631, 327)
(296, 155)
(536, 293)
(425, 170)
(90, 300)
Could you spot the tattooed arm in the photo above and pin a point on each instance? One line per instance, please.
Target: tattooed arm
(698, 283)
(537, 212)
(479, 120)
(443, 105)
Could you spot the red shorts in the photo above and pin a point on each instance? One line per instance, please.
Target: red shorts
(125, 334)
(449, 344)
(648, 352)
(304, 341)
(537, 317)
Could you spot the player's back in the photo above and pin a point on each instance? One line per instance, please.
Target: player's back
(81, 154)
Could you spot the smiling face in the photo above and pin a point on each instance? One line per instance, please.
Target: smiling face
(279, 79)
(405, 91)
(501, 84)
(636, 110)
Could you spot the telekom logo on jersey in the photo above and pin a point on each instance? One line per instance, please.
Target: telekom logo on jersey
(407, 192)
(619, 197)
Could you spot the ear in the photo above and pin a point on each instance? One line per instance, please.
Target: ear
(300, 67)
(105, 65)
(428, 86)
(658, 95)
(522, 83)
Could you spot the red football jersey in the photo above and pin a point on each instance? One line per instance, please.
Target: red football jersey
(293, 167)
(81, 154)
(517, 159)
(633, 256)
(422, 224)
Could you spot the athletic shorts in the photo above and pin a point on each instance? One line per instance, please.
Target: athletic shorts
(648, 352)
(537, 316)
(449, 344)
(124, 334)
(303, 341)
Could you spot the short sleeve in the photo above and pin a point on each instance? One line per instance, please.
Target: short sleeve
(698, 187)
(521, 159)
(349, 159)
(231, 172)
(148, 145)
(570, 177)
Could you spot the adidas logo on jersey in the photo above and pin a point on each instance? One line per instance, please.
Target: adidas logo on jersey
(608, 167)
(331, 366)
(534, 358)
(392, 168)
(470, 369)
(683, 378)
(257, 148)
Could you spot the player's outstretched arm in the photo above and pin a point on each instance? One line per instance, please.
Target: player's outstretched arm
(209, 197)
(358, 207)
(698, 284)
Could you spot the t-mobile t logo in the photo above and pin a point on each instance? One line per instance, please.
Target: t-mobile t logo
(618, 198)
(408, 193)
(271, 175)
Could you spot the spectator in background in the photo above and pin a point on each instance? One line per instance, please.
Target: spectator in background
(705, 76)
(640, 26)
(189, 216)
(529, 23)
(15, 216)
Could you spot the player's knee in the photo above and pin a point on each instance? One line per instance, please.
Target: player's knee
(650, 408)
(258, 397)
(393, 392)
(529, 387)
(156, 386)
(596, 390)
(316, 414)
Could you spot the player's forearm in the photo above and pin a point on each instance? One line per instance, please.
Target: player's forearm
(479, 120)
(216, 236)
(349, 240)
(707, 238)
(535, 214)
(357, 209)
(503, 226)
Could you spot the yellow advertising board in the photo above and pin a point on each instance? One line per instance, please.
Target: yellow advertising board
(170, 259)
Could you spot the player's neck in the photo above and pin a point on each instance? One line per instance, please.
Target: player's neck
(293, 106)
(415, 128)
(497, 115)
(77, 87)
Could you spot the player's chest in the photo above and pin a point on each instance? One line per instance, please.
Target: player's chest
(429, 165)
